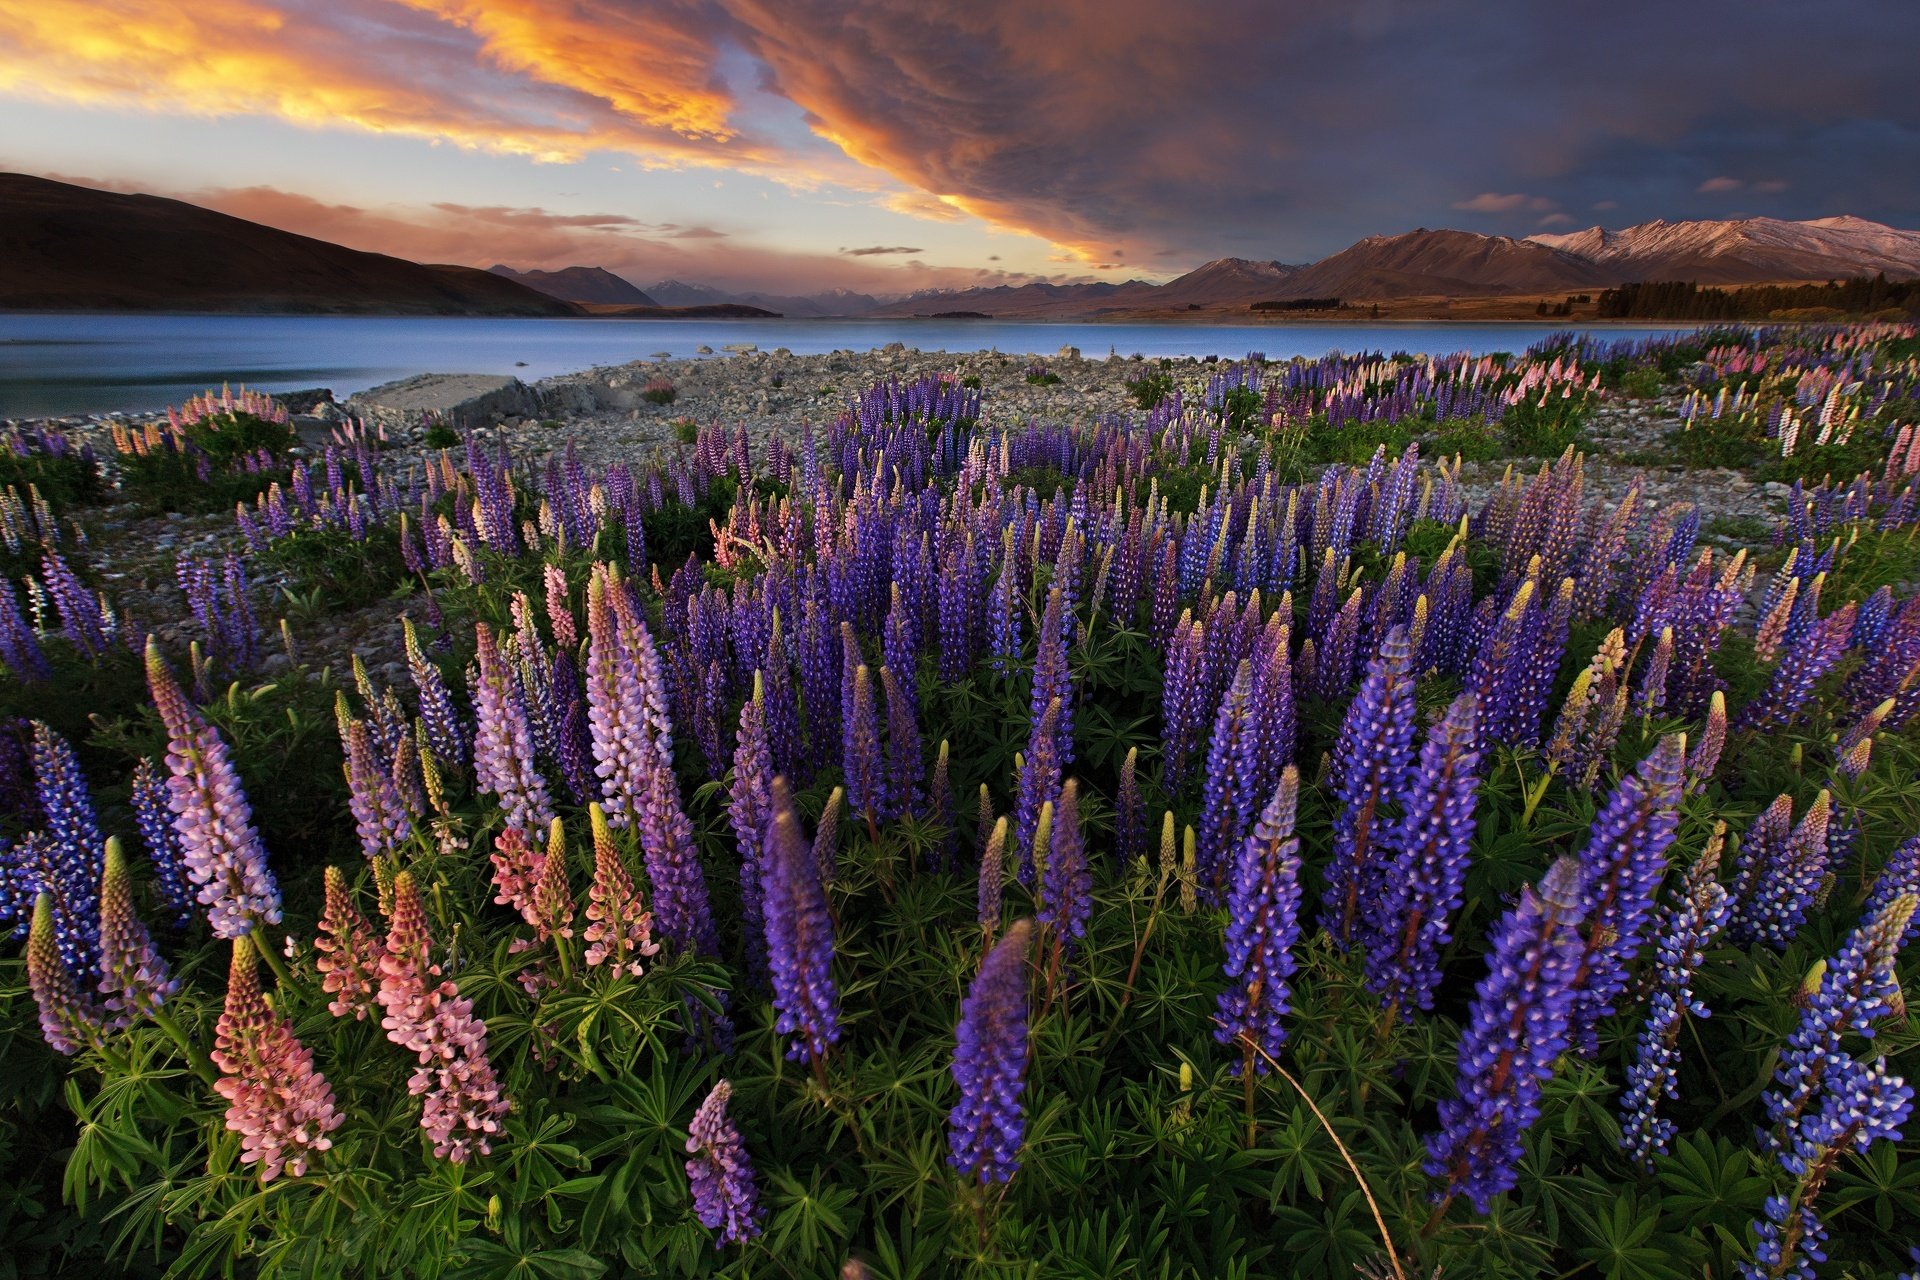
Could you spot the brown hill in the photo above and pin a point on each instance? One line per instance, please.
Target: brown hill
(64, 247)
(579, 284)
(1425, 263)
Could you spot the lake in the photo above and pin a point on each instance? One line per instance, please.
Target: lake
(55, 364)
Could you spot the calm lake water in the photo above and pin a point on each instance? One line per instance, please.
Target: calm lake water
(68, 364)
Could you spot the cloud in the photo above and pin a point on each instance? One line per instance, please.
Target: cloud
(1602, 206)
(1491, 202)
(1557, 220)
(1712, 185)
(875, 250)
(1772, 185)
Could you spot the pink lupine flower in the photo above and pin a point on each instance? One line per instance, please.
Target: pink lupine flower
(463, 1102)
(280, 1106)
(622, 930)
(349, 960)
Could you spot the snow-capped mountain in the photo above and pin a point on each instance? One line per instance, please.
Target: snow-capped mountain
(1746, 251)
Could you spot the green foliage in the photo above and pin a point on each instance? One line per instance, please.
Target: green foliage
(1150, 388)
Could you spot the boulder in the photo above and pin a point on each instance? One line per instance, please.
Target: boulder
(464, 399)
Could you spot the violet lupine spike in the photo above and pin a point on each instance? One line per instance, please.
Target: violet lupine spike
(148, 796)
(1689, 927)
(1051, 678)
(69, 1019)
(614, 700)
(1263, 923)
(799, 936)
(680, 903)
(133, 978)
(379, 814)
(1517, 1026)
(1411, 923)
(946, 846)
(280, 1106)
(1802, 666)
(861, 760)
(725, 1197)
(620, 929)
(444, 730)
(1227, 782)
(993, 877)
(69, 840)
(20, 651)
(1039, 786)
(503, 740)
(222, 851)
(1622, 865)
(1066, 896)
(428, 1017)
(1898, 876)
(348, 956)
(748, 809)
(988, 1124)
(826, 836)
(1130, 818)
(1705, 757)
(1782, 874)
(1370, 760)
(904, 795)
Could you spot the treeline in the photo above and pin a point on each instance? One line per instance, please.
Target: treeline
(1298, 304)
(1685, 300)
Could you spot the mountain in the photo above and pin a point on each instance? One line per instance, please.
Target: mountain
(833, 302)
(1226, 282)
(1008, 300)
(1746, 251)
(1424, 263)
(678, 293)
(579, 284)
(65, 247)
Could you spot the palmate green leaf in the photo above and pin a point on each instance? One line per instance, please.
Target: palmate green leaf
(1707, 1180)
(511, 1258)
(1627, 1245)
(1881, 1185)
(808, 1219)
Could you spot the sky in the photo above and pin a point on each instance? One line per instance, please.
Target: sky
(889, 145)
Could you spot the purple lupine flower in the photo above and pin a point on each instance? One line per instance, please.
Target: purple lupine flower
(616, 714)
(20, 651)
(1801, 667)
(379, 813)
(1130, 817)
(904, 796)
(69, 844)
(1518, 1024)
(69, 1019)
(1271, 711)
(222, 851)
(444, 731)
(1781, 872)
(799, 935)
(1411, 923)
(993, 875)
(826, 836)
(1039, 786)
(861, 761)
(148, 796)
(986, 1127)
(725, 1197)
(1369, 762)
(748, 809)
(1826, 1102)
(133, 978)
(1695, 918)
(1227, 786)
(503, 740)
(1624, 860)
(1183, 697)
(1066, 895)
(1263, 922)
(1051, 679)
(946, 845)
(1900, 875)
(1003, 616)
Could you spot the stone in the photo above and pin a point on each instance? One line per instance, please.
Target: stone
(461, 398)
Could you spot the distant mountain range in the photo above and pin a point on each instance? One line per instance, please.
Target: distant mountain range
(580, 284)
(72, 247)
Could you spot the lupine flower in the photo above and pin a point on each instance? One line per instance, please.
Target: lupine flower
(1370, 760)
(69, 1020)
(988, 1124)
(747, 814)
(1706, 756)
(993, 876)
(1130, 818)
(725, 1198)
(349, 954)
(280, 1106)
(444, 730)
(1624, 860)
(223, 853)
(1411, 923)
(1039, 785)
(1226, 787)
(860, 750)
(1051, 679)
(1781, 873)
(1066, 897)
(1263, 922)
(1695, 918)
(1900, 875)
(69, 843)
(620, 931)
(148, 795)
(826, 836)
(904, 797)
(799, 936)
(379, 813)
(503, 741)
(1518, 1024)
(553, 904)
(940, 802)
(133, 978)
(429, 1017)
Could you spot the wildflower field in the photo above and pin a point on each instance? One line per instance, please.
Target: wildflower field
(1213, 842)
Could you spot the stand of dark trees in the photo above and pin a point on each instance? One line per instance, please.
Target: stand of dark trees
(1298, 304)
(1684, 300)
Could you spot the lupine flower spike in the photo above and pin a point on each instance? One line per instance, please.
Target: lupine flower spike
(280, 1106)
(725, 1197)
(988, 1124)
(1263, 922)
(799, 936)
(133, 978)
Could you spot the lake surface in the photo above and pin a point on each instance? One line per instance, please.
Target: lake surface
(53, 364)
